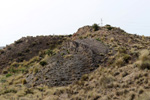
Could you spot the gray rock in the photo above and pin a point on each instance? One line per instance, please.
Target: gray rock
(61, 70)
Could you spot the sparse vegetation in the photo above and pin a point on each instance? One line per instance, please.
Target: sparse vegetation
(50, 52)
(115, 67)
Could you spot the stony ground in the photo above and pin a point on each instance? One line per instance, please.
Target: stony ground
(74, 59)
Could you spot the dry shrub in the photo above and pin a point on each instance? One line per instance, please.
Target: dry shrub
(144, 60)
(105, 80)
(144, 55)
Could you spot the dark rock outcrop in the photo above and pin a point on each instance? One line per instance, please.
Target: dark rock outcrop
(75, 59)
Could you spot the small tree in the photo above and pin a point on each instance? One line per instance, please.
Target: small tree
(95, 27)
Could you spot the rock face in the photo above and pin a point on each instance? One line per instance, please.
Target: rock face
(75, 59)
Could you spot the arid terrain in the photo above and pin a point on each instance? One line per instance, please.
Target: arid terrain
(95, 63)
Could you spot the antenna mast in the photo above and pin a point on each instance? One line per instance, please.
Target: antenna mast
(101, 22)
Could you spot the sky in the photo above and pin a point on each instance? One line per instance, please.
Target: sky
(20, 18)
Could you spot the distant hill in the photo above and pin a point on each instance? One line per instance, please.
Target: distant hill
(1, 47)
(95, 63)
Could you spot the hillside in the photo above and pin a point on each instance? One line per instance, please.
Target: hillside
(26, 48)
(95, 63)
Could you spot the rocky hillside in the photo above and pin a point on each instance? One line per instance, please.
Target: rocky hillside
(74, 59)
(95, 63)
(26, 48)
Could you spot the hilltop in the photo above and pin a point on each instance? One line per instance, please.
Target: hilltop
(95, 63)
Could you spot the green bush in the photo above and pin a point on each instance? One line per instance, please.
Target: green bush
(8, 75)
(43, 63)
(109, 27)
(98, 39)
(95, 27)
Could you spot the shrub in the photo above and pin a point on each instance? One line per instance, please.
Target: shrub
(119, 62)
(33, 43)
(126, 58)
(95, 27)
(144, 55)
(24, 81)
(145, 65)
(8, 75)
(70, 35)
(8, 48)
(20, 54)
(50, 52)
(98, 39)
(84, 77)
(105, 80)
(42, 54)
(4, 71)
(122, 59)
(122, 50)
(27, 50)
(43, 63)
(28, 91)
(1, 51)
(109, 27)
(112, 39)
(80, 37)
(19, 41)
(144, 60)
(62, 54)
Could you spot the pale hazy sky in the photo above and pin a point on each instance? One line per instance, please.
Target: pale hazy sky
(44, 17)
